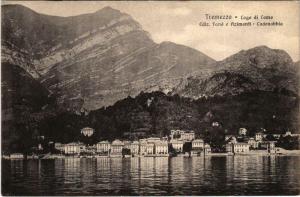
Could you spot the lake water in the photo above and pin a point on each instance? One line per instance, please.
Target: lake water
(231, 175)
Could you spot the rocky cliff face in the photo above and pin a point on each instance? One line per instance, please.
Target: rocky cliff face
(259, 68)
(93, 60)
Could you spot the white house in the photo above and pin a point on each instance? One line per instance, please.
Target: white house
(188, 136)
(259, 136)
(72, 148)
(252, 143)
(161, 148)
(116, 147)
(134, 147)
(87, 131)
(198, 144)
(241, 147)
(207, 149)
(103, 147)
(243, 131)
(177, 145)
(150, 148)
(143, 147)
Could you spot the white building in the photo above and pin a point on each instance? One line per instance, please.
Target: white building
(182, 135)
(252, 143)
(177, 145)
(243, 131)
(259, 136)
(72, 148)
(143, 147)
(16, 156)
(116, 147)
(103, 147)
(134, 147)
(87, 131)
(150, 148)
(188, 136)
(161, 148)
(241, 147)
(207, 149)
(198, 144)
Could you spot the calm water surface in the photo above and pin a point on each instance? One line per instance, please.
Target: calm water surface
(238, 175)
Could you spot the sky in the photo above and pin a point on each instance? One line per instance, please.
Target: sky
(179, 22)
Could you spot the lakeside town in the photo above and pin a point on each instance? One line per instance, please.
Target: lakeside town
(178, 143)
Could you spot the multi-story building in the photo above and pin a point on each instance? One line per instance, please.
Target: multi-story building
(197, 147)
(161, 148)
(243, 131)
(177, 145)
(134, 147)
(198, 144)
(72, 148)
(241, 147)
(150, 148)
(259, 136)
(188, 136)
(103, 147)
(252, 143)
(207, 149)
(143, 147)
(182, 135)
(116, 147)
(87, 131)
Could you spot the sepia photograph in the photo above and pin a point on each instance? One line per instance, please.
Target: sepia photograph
(150, 98)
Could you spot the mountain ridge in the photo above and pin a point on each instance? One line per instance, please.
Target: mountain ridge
(117, 46)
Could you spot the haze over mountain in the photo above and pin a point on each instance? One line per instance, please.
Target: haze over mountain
(53, 68)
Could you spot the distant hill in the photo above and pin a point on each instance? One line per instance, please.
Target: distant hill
(259, 68)
(156, 114)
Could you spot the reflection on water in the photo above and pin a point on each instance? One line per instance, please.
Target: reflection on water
(238, 175)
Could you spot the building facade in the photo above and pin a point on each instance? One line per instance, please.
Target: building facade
(177, 145)
(259, 136)
(117, 147)
(103, 147)
(134, 147)
(161, 148)
(243, 131)
(207, 149)
(72, 148)
(143, 147)
(150, 148)
(252, 143)
(87, 131)
(241, 147)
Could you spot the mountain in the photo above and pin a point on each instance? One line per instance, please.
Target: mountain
(93, 60)
(23, 98)
(60, 74)
(259, 68)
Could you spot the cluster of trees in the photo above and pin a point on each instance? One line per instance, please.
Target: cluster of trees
(165, 112)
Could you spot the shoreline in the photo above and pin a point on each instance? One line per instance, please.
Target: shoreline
(251, 153)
